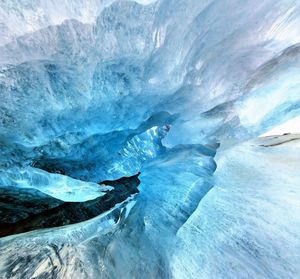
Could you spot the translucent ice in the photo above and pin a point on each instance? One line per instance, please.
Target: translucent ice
(178, 90)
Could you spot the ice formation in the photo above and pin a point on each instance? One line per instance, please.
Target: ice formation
(174, 92)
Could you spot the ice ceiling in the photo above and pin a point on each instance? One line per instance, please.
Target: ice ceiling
(94, 92)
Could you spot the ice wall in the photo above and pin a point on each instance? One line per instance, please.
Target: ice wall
(224, 69)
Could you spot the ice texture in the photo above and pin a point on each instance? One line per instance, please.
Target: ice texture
(177, 90)
(185, 223)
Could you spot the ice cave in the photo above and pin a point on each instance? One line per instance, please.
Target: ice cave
(150, 139)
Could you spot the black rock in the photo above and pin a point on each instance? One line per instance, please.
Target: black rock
(73, 212)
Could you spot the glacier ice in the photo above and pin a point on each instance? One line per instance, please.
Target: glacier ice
(179, 91)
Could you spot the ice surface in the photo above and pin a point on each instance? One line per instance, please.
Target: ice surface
(58, 186)
(242, 223)
(136, 54)
(132, 244)
(97, 90)
(248, 225)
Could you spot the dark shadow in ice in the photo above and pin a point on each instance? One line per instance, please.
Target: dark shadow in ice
(19, 203)
(34, 210)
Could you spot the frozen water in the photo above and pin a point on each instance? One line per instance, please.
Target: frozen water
(248, 225)
(97, 90)
(183, 224)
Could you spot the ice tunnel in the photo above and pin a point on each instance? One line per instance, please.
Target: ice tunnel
(145, 139)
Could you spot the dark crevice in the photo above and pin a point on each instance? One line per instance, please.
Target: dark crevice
(48, 168)
(278, 143)
(19, 203)
(67, 212)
